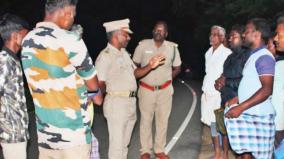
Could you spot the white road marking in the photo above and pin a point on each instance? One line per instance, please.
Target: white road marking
(182, 127)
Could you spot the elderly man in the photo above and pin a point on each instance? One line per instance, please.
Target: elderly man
(117, 77)
(278, 87)
(250, 124)
(211, 98)
(156, 90)
(59, 72)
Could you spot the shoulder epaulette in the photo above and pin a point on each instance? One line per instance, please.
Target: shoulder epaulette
(105, 51)
(174, 44)
(143, 41)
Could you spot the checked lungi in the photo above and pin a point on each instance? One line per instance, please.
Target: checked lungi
(252, 134)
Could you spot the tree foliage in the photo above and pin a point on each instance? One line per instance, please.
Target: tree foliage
(230, 12)
(226, 13)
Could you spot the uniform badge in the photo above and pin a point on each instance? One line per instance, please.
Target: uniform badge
(148, 52)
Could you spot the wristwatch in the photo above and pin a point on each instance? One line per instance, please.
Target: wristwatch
(93, 93)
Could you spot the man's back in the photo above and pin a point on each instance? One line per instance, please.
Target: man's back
(56, 63)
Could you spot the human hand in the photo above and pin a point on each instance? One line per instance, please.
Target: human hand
(219, 83)
(157, 60)
(96, 98)
(234, 112)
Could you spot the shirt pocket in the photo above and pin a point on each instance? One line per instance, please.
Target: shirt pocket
(147, 55)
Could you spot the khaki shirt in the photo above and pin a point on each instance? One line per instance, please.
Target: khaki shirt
(116, 69)
(147, 49)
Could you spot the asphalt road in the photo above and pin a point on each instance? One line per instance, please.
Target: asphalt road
(187, 146)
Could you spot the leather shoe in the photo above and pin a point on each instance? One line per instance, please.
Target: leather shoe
(162, 155)
(145, 156)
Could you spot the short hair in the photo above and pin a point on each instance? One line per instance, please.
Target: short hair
(53, 5)
(110, 35)
(10, 23)
(280, 20)
(222, 30)
(162, 23)
(262, 26)
(238, 28)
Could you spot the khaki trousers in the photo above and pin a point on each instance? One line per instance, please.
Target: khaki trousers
(78, 152)
(158, 104)
(14, 150)
(120, 113)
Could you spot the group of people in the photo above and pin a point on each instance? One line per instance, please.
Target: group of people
(244, 82)
(63, 81)
(244, 77)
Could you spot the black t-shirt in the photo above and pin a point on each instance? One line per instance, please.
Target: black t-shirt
(233, 68)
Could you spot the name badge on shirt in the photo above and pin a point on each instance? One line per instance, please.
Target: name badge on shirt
(148, 52)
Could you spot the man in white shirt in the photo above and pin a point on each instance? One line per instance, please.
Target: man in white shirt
(211, 98)
(278, 87)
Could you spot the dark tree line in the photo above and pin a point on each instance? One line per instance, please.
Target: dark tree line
(221, 12)
(189, 20)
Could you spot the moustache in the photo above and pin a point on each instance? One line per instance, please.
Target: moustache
(158, 34)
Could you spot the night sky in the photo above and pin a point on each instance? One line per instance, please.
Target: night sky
(189, 20)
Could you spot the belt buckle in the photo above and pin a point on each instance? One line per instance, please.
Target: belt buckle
(156, 88)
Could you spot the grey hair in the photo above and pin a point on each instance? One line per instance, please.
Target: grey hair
(280, 20)
(222, 31)
(53, 5)
(110, 35)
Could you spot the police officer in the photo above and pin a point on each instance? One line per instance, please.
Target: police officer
(117, 77)
(156, 90)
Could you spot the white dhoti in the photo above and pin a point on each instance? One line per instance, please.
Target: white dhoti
(209, 102)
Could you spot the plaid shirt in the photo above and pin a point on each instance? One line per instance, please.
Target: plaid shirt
(13, 109)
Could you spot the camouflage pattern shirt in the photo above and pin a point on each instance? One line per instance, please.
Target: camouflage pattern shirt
(56, 63)
(13, 109)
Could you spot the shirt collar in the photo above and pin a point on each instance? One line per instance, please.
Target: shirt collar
(220, 47)
(10, 52)
(47, 24)
(114, 48)
(257, 49)
(154, 43)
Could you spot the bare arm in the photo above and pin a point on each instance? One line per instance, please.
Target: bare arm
(176, 71)
(141, 71)
(261, 95)
(93, 85)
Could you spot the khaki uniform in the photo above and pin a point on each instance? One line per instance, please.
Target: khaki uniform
(117, 70)
(158, 102)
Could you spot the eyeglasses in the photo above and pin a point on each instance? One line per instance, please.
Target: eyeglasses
(215, 34)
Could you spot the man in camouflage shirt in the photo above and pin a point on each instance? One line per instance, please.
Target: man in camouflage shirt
(59, 73)
(13, 109)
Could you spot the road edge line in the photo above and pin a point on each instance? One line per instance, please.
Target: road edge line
(185, 123)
